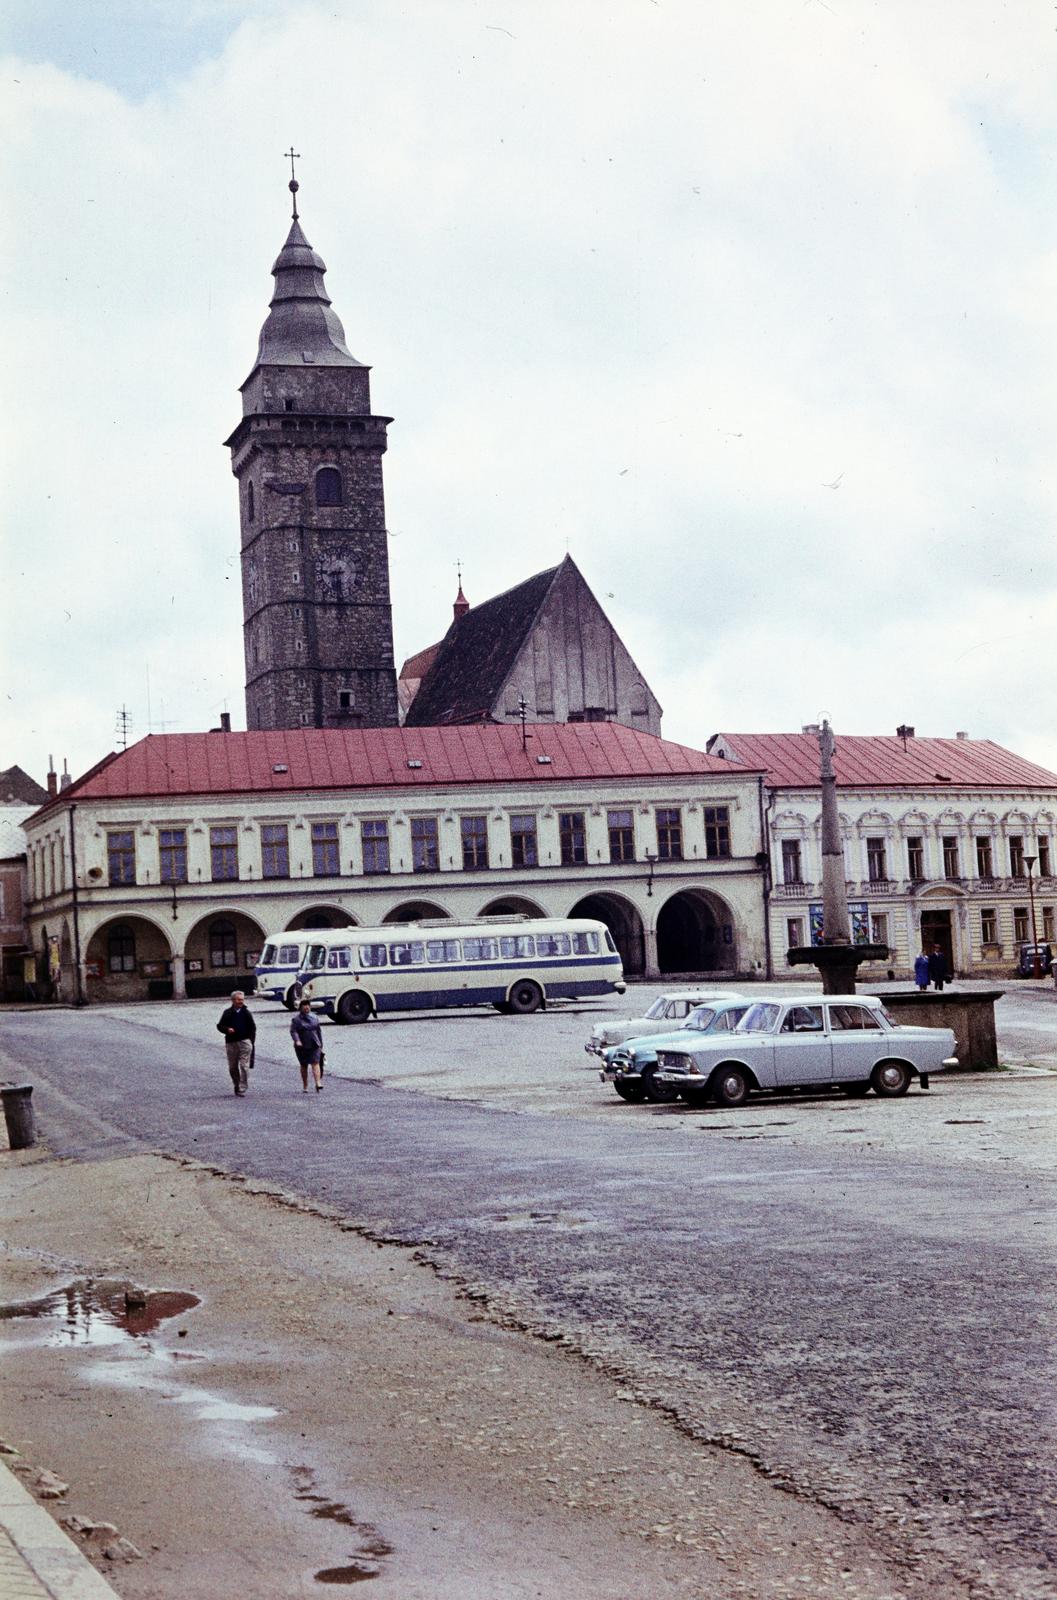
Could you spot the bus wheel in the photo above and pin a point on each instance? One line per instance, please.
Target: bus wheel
(292, 996)
(525, 997)
(354, 1007)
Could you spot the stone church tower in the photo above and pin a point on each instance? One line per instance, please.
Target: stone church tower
(317, 621)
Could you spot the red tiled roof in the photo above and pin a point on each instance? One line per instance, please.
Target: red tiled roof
(791, 762)
(367, 758)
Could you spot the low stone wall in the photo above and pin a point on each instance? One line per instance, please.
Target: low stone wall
(971, 1016)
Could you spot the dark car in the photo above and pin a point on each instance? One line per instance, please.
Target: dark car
(1026, 962)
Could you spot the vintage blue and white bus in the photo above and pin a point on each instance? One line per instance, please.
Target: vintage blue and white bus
(282, 967)
(516, 965)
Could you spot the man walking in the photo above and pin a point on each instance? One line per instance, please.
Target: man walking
(938, 967)
(239, 1030)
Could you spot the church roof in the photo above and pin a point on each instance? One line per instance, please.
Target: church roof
(301, 328)
(17, 786)
(476, 655)
(313, 759)
(791, 761)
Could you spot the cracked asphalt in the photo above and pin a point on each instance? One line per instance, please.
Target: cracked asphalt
(856, 1296)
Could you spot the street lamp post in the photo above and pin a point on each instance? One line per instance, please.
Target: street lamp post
(1036, 965)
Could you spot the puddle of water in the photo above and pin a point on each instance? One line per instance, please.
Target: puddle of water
(366, 1560)
(103, 1312)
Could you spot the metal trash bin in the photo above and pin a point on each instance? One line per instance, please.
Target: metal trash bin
(18, 1114)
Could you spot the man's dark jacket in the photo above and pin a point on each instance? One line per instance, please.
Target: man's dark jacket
(241, 1019)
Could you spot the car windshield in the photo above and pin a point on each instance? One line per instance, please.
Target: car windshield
(657, 1009)
(759, 1018)
(701, 1018)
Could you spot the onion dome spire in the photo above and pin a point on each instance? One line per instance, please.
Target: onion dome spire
(301, 327)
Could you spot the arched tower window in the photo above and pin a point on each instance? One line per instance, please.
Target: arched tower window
(328, 487)
(251, 511)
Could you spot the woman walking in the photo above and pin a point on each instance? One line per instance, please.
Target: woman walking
(308, 1044)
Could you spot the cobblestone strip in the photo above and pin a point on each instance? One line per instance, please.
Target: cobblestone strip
(37, 1560)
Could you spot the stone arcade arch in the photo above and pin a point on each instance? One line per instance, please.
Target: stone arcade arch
(695, 934)
(216, 953)
(512, 905)
(321, 917)
(623, 922)
(414, 911)
(128, 958)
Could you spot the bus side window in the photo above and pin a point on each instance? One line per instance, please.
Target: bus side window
(406, 955)
(552, 944)
(438, 950)
(521, 945)
(585, 944)
(479, 949)
(315, 956)
(340, 958)
(372, 955)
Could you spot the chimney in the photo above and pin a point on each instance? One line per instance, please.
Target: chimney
(65, 780)
(810, 727)
(961, 736)
(461, 606)
(225, 722)
(53, 782)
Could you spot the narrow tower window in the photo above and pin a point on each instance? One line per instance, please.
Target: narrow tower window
(328, 487)
(250, 508)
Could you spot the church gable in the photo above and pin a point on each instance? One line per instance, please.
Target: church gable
(574, 667)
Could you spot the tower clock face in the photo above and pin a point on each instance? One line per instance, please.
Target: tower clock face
(335, 575)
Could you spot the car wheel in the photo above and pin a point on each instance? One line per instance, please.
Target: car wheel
(729, 1086)
(524, 998)
(659, 1093)
(292, 996)
(631, 1092)
(354, 1007)
(855, 1091)
(890, 1079)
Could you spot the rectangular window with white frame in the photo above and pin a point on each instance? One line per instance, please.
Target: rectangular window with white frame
(425, 845)
(1020, 924)
(989, 926)
(172, 854)
(985, 864)
(1016, 855)
(794, 932)
(1042, 845)
(275, 850)
(792, 870)
(621, 836)
(524, 850)
(879, 929)
(876, 864)
(224, 854)
(669, 834)
(951, 865)
(374, 841)
(121, 858)
(326, 861)
(474, 832)
(1047, 924)
(717, 832)
(916, 859)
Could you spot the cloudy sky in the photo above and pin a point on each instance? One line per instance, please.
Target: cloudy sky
(750, 307)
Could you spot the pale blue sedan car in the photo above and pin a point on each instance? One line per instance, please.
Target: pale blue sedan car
(630, 1067)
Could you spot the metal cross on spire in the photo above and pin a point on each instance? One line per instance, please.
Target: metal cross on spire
(293, 185)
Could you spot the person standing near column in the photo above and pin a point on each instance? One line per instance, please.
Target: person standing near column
(308, 1044)
(239, 1030)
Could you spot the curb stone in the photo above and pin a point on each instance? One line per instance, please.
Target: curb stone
(38, 1561)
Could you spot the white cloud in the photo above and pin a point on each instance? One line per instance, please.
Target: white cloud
(644, 279)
